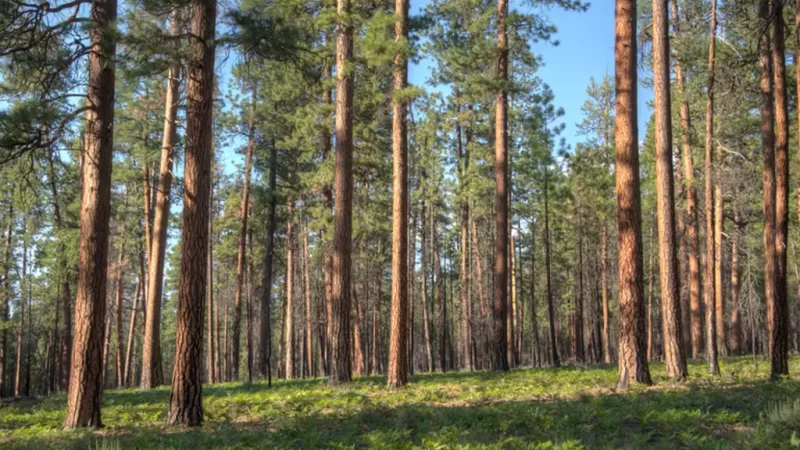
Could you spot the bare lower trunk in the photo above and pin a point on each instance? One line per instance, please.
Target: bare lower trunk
(85, 386)
(548, 274)
(266, 292)
(186, 406)
(288, 344)
(632, 345)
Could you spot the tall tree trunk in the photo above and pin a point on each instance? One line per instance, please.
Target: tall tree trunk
(398, 329)
(780, 311)
(327, 201)
(548, 273)
(186, 407)
(499, 358)
(711, 340)
(249, 325)
(152, 370)
(691, 207)
(768, 164)
(118, 315)
(85, 386)
(358, 334)
(376, 321)
(266, 291)
(425, 309)
(288, 344)
(479, 280)
(669, 275)
(719, 294)
(242, 256)
(343, 206)
(465, 281)
(632, 346)
(412, 264)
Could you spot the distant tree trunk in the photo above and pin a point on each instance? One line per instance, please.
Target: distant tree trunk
(118, 315)
(711, 339)
(464, 274)
(288, 344)
(127, 377)
(85, 386)
(719, 294)
(669, 275)
(376, 321)
(309, 334)
(548, 273)
(266, 292)
(6, 293)
(19, 386)
(481, 292)
(242, 256)
(440, 301)
(736, 330)
(212, 317)
(632, 346)
(797, 89)
(398, 329)
(607, 357)
(358, 334)
(499, 358)
(578, 343)
(343, 218)
(425, 309)
(186, 407)
(536, 354)
(650, 313)
(412, 264)
(780, 310)
(691, 207)
(152, 370)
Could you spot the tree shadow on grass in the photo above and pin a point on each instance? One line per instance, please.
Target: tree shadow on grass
(682, 417)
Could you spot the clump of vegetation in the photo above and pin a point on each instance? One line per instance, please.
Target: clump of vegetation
(563, 408)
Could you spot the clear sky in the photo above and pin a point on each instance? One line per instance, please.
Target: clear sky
(585, 50)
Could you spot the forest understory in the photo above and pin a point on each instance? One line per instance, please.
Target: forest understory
(560, 408)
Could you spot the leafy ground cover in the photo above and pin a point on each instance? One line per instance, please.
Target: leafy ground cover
(558, 408)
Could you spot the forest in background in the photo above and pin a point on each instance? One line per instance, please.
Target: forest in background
(377, 227)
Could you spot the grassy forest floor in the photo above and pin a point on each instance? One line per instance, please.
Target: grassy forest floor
(563, 408)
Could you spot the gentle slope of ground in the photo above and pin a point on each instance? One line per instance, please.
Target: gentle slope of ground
(565, 408)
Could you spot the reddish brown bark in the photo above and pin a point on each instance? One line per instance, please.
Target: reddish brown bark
(85, 386)
(288, 332)
(398, 329)
(779, 337)
(340, 371)
(632, 345)
(711, 325)
(186, 403)
(669, 276)
(499, 358)
(266, 292)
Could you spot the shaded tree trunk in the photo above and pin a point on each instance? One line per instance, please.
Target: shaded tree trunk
(86, 372)
(780, 310)
(607, 357)
(736, 329)
(127, 377)
(266, 291)
(499, 358)
(425, 308)
(242, 256)
(548, 273)
(120, 369)
(6, 293)
(186, 407)
(343, 219)
(578, 350)
(309, 335)
(632, 346)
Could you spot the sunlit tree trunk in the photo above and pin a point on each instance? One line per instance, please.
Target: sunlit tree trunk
(85, 386)
(288, 331)
(669, 276)
(632, 345)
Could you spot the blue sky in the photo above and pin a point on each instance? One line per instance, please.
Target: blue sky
(585, 50)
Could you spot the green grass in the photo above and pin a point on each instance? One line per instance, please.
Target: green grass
(565, 408)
